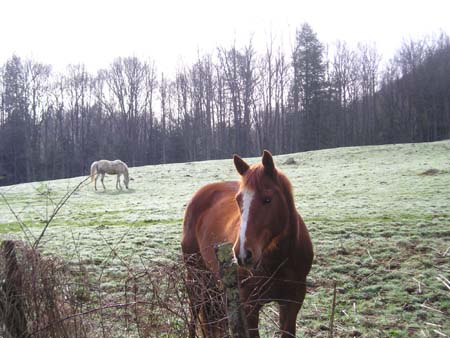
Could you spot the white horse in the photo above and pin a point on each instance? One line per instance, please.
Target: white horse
(116, 167)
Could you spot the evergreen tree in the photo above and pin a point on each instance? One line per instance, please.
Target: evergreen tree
(307, 87)
(14, 144)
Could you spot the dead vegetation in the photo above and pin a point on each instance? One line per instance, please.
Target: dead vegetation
(46, 297)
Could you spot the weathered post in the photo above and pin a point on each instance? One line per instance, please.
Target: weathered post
(12, 311)
(229, 275)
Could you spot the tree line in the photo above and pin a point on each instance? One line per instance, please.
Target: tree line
(235, 100)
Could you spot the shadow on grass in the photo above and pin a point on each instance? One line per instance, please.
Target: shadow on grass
(114, 191)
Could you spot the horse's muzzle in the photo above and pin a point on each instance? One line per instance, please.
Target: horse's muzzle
(247, 259)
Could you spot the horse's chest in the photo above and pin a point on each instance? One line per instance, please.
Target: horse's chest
(269, 287)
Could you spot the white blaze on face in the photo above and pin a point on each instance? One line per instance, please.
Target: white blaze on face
(247, 198)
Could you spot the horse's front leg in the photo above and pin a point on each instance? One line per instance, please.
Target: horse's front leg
(288, 316)
(252, 314)
(251, 308)
(118, 185)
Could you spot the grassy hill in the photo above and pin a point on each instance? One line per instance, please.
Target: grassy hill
(379, 218)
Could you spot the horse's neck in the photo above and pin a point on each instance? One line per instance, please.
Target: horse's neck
(294, 249)
(298, 246)
(288, 241)
(287, 246)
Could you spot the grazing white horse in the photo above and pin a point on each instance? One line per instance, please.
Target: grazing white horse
(116, 167)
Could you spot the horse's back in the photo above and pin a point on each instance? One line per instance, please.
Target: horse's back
(111, 167)
(119, 162)
(103, 163)
(210, 218)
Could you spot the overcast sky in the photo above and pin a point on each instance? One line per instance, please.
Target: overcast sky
(170, 32)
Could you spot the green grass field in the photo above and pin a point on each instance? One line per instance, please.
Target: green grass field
(379, 218)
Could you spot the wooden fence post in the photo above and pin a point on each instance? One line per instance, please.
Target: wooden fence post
(229, 275)
(12, 309)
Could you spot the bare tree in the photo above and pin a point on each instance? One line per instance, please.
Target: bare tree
(369, 61)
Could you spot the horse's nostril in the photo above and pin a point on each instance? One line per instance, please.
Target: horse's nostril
(248, 257)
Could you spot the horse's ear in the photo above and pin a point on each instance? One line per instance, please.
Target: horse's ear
(267, 161)
(240, 164)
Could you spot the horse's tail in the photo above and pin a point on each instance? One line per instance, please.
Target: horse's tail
(93, 170)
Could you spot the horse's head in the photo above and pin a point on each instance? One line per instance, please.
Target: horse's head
(127, 178)
(264, 199)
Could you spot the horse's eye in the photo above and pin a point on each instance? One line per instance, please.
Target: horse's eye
(267, 200)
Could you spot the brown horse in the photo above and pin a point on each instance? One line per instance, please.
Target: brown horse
(271, 244)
